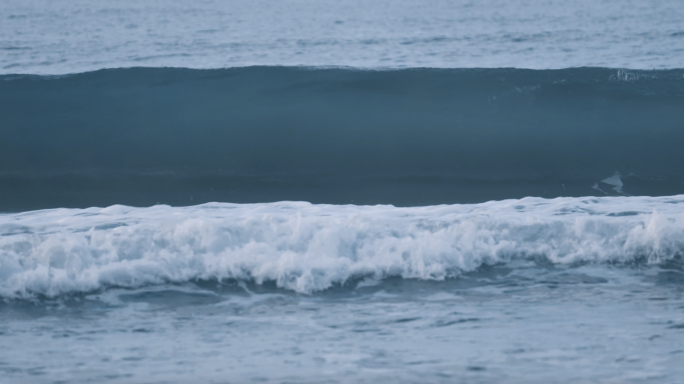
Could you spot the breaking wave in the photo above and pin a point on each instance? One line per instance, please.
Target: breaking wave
(307, 248)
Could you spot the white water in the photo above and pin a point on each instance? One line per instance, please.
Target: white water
(308, 248)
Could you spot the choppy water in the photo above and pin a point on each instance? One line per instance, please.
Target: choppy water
(529, 324)
(222, 222)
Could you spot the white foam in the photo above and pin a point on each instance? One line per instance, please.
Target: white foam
(615, 181)
(307, 247)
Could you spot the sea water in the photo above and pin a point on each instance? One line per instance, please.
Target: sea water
(568, 289)
(341, 192)
(56, 37)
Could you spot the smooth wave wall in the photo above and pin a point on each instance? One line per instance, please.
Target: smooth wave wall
(143, 136)
(307, 248)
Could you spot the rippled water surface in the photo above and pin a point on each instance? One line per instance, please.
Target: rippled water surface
(531, 324)
(51, 37)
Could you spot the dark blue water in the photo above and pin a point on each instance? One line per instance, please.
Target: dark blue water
(143, 136)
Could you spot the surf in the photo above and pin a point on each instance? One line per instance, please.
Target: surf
(307, 248)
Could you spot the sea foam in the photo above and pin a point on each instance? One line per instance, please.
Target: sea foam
(307, 248)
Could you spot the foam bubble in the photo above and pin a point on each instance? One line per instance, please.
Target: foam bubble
(306, 247)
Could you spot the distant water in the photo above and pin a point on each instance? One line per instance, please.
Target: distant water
(341, 191)
(55, 37)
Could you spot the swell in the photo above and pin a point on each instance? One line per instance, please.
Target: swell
(142, 136)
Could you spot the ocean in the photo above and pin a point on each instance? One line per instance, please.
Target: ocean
(341, 192)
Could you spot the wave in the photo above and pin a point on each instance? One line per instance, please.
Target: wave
(306, 248)
(143, 136)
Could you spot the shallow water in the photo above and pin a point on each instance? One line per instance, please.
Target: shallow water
(529, 323)
(533, 290)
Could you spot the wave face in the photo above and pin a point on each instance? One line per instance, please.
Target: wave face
(143, 136)
(308, 248)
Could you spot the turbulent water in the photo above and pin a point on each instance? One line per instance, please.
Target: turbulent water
(341, 192)
(308, 248)
(565, 289)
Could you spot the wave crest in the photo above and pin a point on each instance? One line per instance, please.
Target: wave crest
(307, 248)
